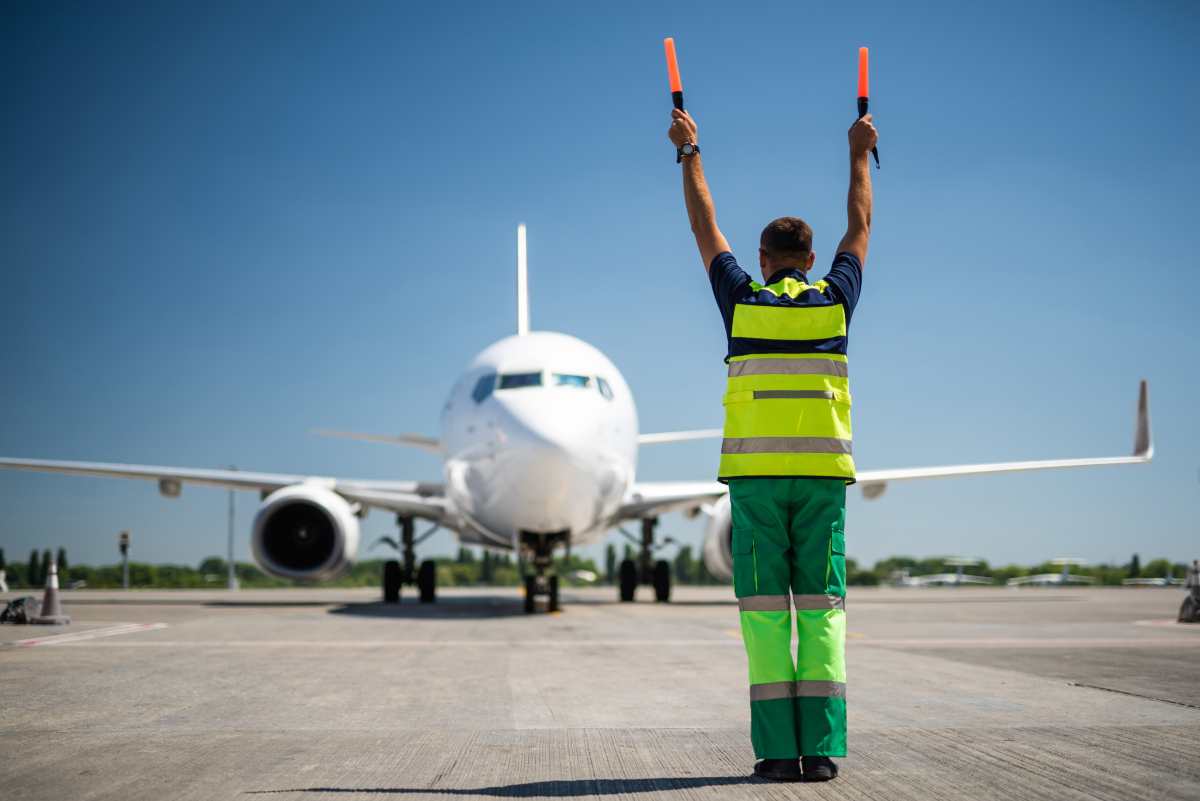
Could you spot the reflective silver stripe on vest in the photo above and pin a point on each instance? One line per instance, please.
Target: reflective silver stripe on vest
(820, 689)
(797, 689)
(788, 367)
(819, 602)
(763, 603)
(785, 445)
(773, 394)
(773, 691)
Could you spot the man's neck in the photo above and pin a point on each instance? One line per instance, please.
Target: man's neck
(775, 272)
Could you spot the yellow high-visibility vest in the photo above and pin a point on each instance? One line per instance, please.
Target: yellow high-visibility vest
(787, 397)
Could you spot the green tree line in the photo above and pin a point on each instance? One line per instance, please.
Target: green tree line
(473, 568)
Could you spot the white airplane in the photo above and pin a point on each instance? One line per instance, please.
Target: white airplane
(955, 579)
(1166, 580)
(539, 443)
(1054, 579)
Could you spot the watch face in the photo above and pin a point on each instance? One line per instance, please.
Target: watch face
(688, 149)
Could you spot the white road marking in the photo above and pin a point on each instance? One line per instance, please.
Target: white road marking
(90, 634)
(556, 644)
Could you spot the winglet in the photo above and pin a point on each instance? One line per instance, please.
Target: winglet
(1143, 442)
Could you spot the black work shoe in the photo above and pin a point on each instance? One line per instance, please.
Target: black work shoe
(778, 770)
(819, 769)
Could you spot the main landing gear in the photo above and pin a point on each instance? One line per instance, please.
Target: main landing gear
(542, 582)
(396, 574)
(645, 570)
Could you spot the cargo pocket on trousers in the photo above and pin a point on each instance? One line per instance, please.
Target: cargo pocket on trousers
(745, 578)
(836, 574)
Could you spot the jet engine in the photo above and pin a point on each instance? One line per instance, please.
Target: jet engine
(305, 531)
(718, 553)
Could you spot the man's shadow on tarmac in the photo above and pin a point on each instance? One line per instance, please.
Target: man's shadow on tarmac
(474, 606)
(482, 606)
(566, 788)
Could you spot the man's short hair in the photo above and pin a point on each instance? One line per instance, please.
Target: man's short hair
(787, 238)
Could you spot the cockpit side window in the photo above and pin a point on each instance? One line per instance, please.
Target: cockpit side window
(520, 380)
(484, 387)
(604, 388)
(567, 380)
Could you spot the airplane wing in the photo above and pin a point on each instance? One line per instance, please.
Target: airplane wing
(874, 482)
(678, 436)
(420, 441)
(408, 497)
(652, 498)
(648, 499)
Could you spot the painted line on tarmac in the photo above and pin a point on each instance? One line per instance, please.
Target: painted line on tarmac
(91, 634)
(1168, 623)
(1036, 642)
(556, 644)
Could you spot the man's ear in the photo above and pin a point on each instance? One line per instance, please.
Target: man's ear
(812, 258)
(762, 261)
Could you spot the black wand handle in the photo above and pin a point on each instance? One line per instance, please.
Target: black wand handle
(862, 110)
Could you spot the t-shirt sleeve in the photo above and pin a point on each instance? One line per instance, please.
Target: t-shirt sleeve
(845, 281)
(729, 282)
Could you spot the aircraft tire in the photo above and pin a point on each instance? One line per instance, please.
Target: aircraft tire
(552, 595)
(427, 581)
(391, 582)
(530, 594)
(662, 581)
(1189, 612)
(628, 580)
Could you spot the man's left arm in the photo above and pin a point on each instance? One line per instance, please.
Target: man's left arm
(701, 213)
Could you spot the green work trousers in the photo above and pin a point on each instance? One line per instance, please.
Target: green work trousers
(789, 537)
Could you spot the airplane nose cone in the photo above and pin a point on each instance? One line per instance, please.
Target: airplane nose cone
(546, 427)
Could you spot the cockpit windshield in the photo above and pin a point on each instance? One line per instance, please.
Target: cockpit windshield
(519, 380)
(568, 380)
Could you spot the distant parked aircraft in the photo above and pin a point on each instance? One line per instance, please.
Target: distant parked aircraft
(1054, 579)
(955, 579)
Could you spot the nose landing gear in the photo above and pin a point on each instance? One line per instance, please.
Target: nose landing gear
(645, 570)
(542, 582)
(397, 574)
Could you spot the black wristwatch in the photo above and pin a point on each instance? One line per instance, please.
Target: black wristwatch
(687, 149)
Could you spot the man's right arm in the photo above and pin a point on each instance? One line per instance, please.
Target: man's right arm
(863, 137)
(701, 213)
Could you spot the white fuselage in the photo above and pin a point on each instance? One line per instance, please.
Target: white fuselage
(539, 435)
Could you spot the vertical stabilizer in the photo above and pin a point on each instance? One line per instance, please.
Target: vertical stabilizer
(522, 284)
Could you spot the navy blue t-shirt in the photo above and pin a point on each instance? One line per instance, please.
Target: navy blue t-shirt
(731, 284)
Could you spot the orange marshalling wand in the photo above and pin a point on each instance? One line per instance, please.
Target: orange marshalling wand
(864, 92)
(673, 73)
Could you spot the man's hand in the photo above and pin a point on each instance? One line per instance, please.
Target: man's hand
(683, 129)
(863, 136)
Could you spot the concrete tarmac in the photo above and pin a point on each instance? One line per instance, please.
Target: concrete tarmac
(954, 693)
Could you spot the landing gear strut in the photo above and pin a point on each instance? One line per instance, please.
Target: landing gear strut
(542, 582)
(645, 570)
(397, 574)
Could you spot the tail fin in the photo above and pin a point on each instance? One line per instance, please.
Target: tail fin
(522, 284)
(1143, 442)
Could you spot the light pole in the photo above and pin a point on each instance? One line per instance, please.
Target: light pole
(231, 582)
(123, 544)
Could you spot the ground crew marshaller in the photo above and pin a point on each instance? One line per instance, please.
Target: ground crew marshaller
(787, 458)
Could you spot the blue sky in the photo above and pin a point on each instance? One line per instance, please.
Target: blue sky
(225, 224)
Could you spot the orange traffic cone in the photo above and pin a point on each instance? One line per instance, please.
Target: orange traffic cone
(52, 612)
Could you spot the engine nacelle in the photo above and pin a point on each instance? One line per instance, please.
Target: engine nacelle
(305, 531)
(718, 534)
